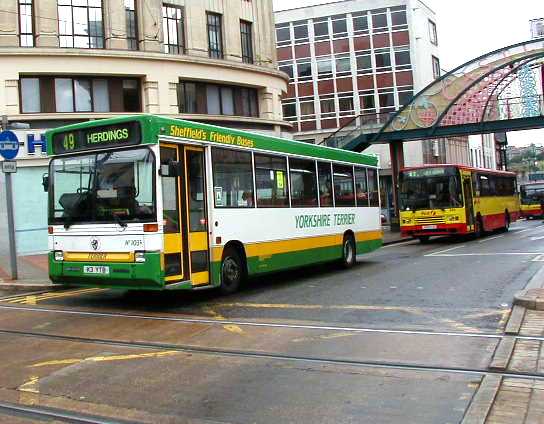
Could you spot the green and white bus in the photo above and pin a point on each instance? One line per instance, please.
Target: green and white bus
(148, 202)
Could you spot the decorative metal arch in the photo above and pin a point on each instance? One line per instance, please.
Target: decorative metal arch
(466, 95)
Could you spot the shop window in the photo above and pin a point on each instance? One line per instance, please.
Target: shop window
(232, 178)
(303, 183)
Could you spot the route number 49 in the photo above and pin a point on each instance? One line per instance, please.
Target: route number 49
(69, 142)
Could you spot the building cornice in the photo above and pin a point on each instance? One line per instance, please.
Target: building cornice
(138, 55)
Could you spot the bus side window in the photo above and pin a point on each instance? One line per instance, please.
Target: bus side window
(271, 181)
(325, 184)
(373, 188)
(344, 193)
(361, 187)
(303, 183)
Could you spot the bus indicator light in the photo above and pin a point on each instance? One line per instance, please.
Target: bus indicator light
(151, 228)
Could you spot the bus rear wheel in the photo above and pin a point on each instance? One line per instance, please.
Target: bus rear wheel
(348, 251)
(232, 271)
(424, 239)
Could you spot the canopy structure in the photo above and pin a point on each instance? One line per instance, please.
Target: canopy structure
(494, 92)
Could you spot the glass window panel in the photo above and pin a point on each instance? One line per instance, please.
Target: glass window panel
(383, 60)
(360, 23)
(289, 109)
(368, 101)
(304, 70)
(131, 95)
(402, 58)
(232, 178)
(169, 193)
(343, 185)
(327, 106)
(30, 95)
(101, 98)
(283, 34)
(379, 21)
(197, 194)
(212, 94)
(361, 189)
(83, 95)
(64, 96)
(271, 180)
(398, 18)
(324, 67)
(345, 104)
(325, 184)
(288, 69)
(373, 195)
(65, 20)
(227, 101)
(405, 97)
(321, 29)
(364, 62)
(386, 99)
(339, 26)
(343, 64)
(303, 183)
(307, 108)
(301, 31)
(81, 23)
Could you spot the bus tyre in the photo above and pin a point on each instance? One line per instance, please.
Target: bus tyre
(232, 271)
(348, 251)
(424, 239)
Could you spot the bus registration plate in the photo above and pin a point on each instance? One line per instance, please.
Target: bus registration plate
(429, 227)
(93, 269)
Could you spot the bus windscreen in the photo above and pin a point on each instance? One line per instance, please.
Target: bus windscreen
(430, 188)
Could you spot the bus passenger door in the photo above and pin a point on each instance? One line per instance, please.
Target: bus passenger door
(195, 177)
(469, 204)
(175, 245)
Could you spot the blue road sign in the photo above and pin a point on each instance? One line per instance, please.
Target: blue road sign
(9, 145)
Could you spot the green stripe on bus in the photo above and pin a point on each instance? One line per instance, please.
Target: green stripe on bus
(284, 261)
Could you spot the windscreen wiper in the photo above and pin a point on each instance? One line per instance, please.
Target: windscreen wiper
(119, 221)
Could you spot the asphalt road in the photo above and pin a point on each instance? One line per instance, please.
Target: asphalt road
(403, 337)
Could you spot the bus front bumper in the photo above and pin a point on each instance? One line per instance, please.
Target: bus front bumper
(130, 275)
(433, 230)
(526, 213)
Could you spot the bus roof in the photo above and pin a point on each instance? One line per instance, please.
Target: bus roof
(465, 167)
(153, 127)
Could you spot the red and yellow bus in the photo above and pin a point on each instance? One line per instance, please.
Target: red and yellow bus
(455, 199)
(531, 198)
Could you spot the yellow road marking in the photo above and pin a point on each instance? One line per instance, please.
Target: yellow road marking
(31, 385)
(72, 361)
(29, 392)
(410, 309)
(34, 299)
(233, 328)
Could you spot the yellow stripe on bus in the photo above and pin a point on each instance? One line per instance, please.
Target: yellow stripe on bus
(293, 245)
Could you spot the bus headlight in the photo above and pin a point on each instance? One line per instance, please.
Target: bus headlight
(59, 256)
(139, 257)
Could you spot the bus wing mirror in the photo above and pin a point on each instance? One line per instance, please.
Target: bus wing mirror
(171, 169)
(45, 183)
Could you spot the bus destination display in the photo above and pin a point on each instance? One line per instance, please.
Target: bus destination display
(123, 134)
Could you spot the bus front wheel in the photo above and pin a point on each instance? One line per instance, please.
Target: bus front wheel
(348, 251)
(232, 271)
